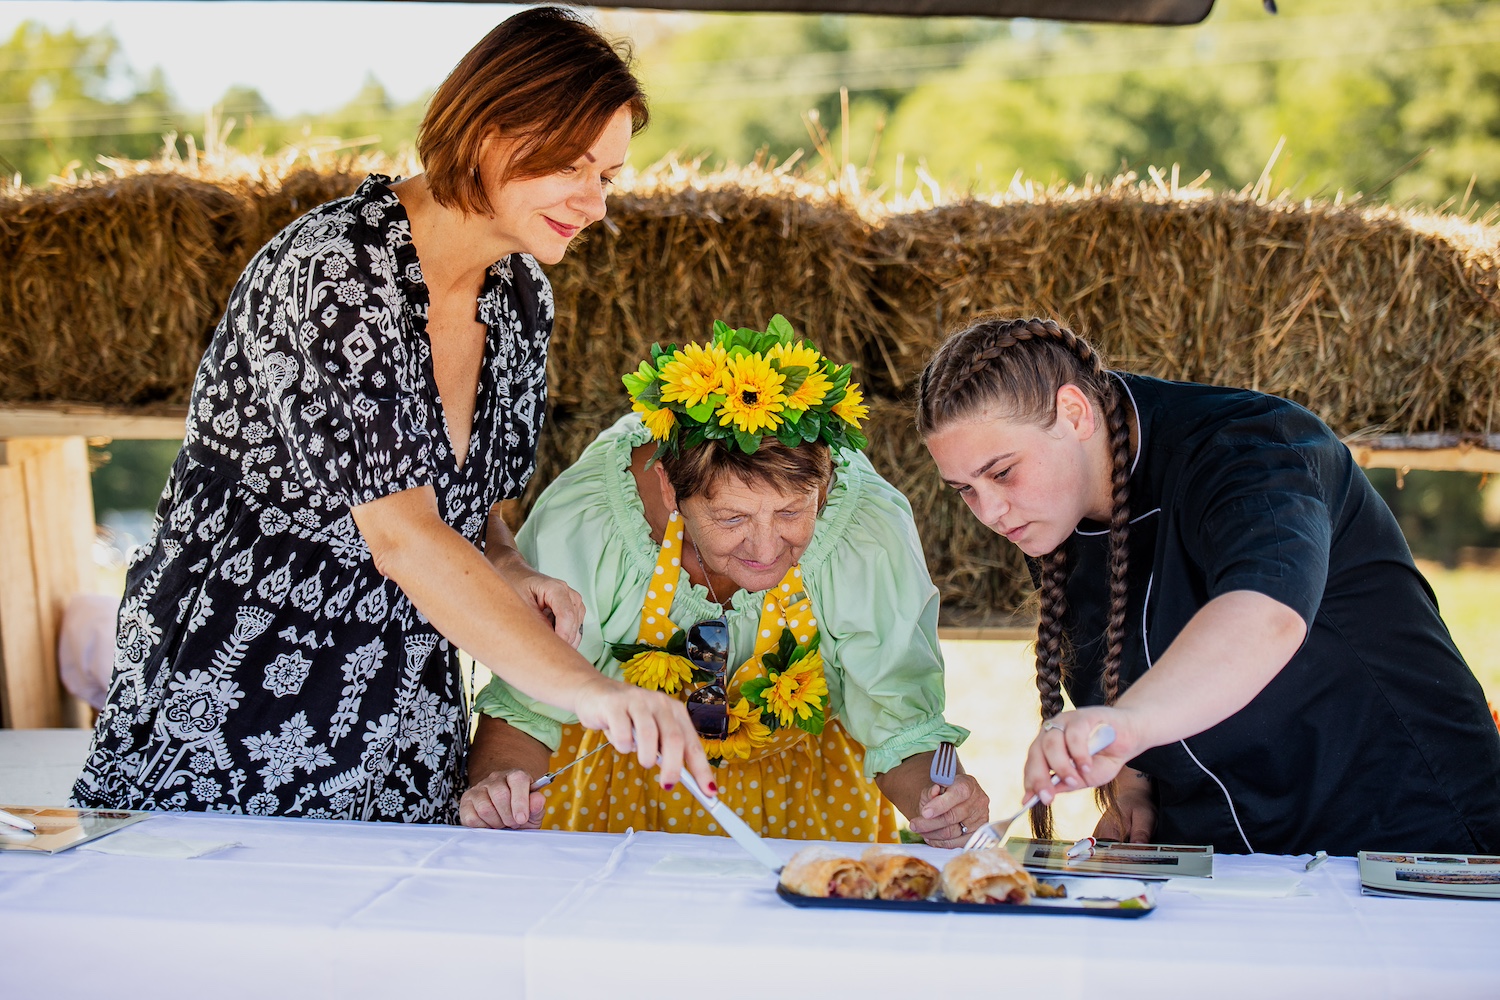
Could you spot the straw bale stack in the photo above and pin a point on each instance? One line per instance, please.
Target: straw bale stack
(1375, 319)
(111, 288)
(676, 258)
(1363, 316)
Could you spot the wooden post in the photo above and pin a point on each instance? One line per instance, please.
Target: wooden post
(46, 556)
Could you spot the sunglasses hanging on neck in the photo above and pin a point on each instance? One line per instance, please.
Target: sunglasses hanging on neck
(708, 649)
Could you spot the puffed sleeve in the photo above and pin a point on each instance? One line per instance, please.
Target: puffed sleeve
(877, 612)
(341, 369)
(1261, 518)
(586, 529)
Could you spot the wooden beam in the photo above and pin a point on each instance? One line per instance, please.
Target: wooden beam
(86, 420)
(46, 556)
(1428, 452)
(987, 633)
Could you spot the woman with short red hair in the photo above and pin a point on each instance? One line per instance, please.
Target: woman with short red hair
(329, 534)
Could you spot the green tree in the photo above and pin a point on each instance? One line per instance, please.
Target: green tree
(60, 103)
(733, 85)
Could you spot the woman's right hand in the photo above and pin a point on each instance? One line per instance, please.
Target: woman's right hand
(503, 801)
(654, 727)
(1133, 818)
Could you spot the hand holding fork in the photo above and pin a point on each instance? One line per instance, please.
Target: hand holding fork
(993, 833)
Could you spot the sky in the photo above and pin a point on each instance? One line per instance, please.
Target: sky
(301, 56)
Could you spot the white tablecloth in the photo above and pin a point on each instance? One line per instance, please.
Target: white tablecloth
(315, 909)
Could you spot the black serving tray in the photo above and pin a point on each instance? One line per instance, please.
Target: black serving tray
(1037, 907)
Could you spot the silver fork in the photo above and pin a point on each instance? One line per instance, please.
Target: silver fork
(944, 765)
(994, 832)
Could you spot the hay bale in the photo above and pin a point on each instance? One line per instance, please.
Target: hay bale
(1377, 320)
(110, 290)
(672, 261)
(1365, 317)
(115, 286)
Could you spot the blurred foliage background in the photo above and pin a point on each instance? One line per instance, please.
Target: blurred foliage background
(1395, 100)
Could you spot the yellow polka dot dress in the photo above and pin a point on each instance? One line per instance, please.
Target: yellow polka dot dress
(792, 784)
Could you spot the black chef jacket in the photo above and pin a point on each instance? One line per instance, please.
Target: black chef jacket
(1375, 736)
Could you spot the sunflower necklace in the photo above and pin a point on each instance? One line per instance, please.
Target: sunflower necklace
(784, 694)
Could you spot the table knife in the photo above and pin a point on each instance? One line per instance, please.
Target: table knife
(734, 826)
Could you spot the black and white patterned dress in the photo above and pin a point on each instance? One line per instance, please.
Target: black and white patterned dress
(263, 665)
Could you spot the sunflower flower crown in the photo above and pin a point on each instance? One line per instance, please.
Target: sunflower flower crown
(746, 385)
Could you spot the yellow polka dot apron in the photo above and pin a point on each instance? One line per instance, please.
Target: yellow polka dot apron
(789, 783)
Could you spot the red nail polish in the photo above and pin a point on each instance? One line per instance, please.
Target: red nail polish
(713, 789)
(669, 787)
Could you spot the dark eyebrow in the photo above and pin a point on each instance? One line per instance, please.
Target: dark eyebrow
(986, 467)
(590, 157)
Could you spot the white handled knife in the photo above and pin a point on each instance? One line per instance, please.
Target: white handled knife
(734, 826)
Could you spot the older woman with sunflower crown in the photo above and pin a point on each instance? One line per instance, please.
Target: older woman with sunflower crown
(736, 497)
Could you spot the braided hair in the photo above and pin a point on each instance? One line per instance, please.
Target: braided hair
(1015, 367)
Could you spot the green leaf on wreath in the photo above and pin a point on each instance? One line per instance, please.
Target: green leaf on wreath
(651, 395)
(811, 425)
(782, 329)
(705, 409)
(749, 443)
(677, 645)
(721, 330)
(795, 376)
(640, 378)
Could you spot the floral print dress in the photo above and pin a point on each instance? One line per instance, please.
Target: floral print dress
(263, 665)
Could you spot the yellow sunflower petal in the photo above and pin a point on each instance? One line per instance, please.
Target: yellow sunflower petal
(810, 393)
(693, 374)
(658, 421)
(851, 408)
(753, 399)
(658, 670)
(789, 355)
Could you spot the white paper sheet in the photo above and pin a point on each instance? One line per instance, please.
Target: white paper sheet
(139, 844)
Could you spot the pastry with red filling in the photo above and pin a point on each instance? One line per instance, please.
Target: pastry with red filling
(987, 876)
(828, 873)
(899, 875)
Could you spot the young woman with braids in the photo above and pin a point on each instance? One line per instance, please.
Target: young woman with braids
(1221, 585)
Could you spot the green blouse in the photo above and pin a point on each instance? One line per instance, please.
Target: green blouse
(876, 607)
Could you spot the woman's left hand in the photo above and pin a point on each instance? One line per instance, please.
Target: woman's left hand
(553, 600)
(949, 815)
